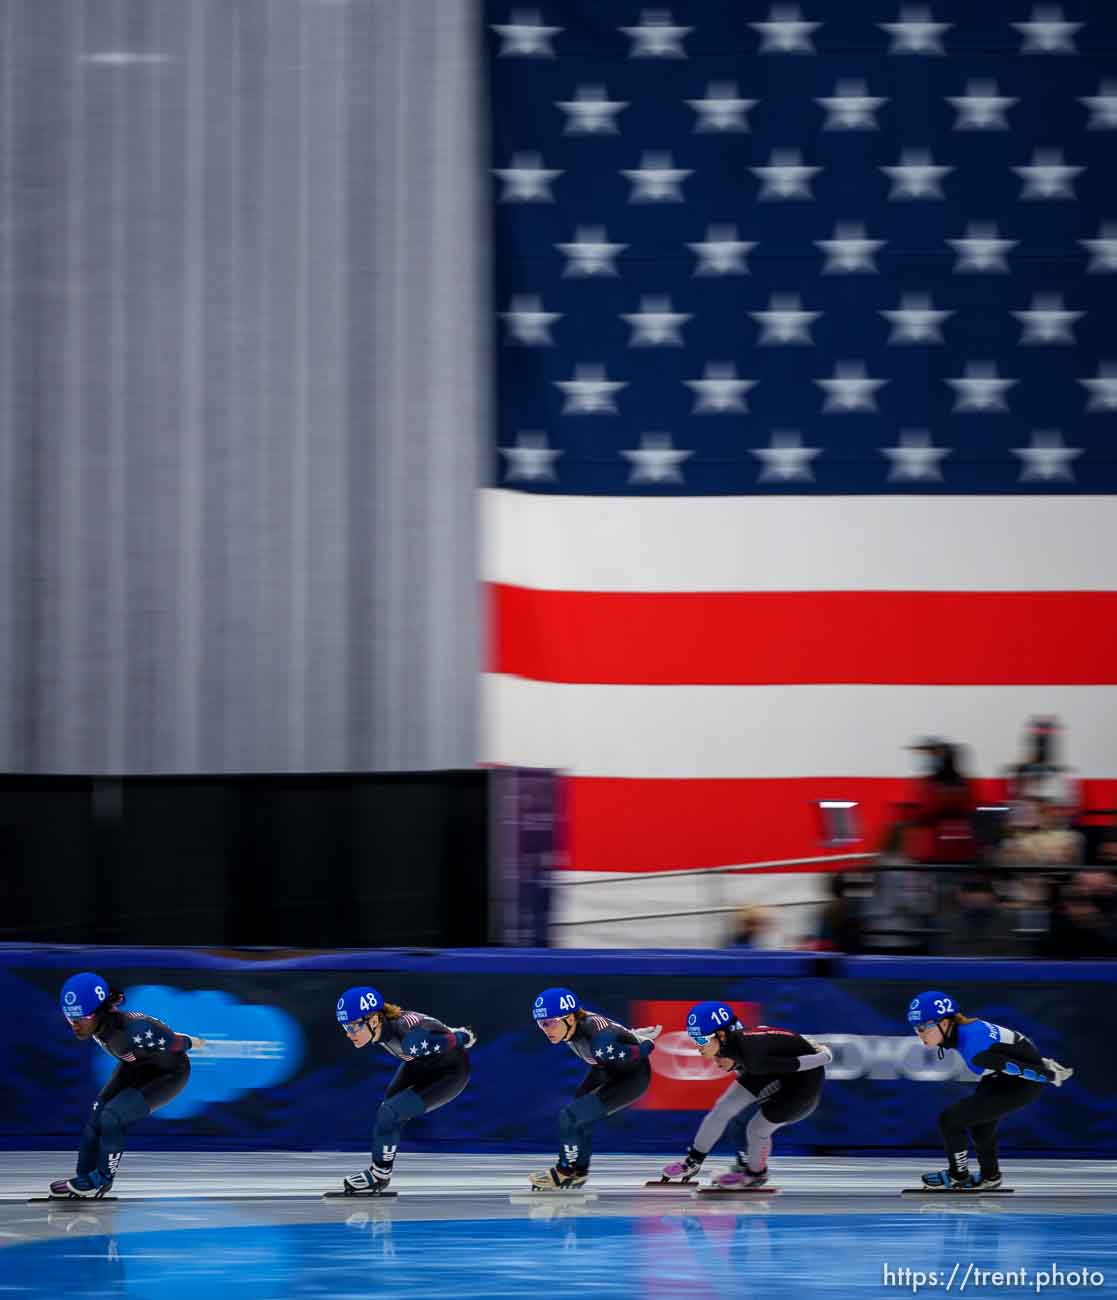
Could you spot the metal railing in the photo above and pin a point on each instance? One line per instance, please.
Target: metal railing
(671, 916)
(695, 873)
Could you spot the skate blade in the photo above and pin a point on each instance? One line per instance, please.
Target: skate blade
(536, 1197)
(738, 1191)
(956, 1191)
(357, 1196)
(672, 1184)
(547, 1206)
(71, 1200)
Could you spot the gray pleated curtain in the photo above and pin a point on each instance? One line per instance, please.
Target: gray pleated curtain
(243, 384)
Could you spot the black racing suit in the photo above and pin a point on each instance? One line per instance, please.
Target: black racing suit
(779, 1067)
(999, 1092)
(779, 1077)
(619, 1074)
(430, 1076)
(153, 1070)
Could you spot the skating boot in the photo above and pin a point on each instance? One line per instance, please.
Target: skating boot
(740, 1178)
(369, 1182)
(558, 1179)
(91, 1185)
(947, 1180)
(684, 1170)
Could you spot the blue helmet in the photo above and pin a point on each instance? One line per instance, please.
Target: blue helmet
(83, 994)
(552, 1003)
(358, 1004)
(929, 1007)
(705, 1019)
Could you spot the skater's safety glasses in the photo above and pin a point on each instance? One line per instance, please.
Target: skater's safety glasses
(354, 1026)
(701, 1039)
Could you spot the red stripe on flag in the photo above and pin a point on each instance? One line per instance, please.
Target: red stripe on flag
(784, 638)
(664, 825)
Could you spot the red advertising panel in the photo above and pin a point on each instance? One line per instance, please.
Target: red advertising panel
(681, 1078)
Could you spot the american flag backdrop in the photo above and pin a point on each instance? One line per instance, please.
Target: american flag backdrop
(807, 391)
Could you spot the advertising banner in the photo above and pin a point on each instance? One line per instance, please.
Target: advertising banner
(278, 1073)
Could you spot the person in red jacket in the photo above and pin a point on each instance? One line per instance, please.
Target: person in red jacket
(937, 825)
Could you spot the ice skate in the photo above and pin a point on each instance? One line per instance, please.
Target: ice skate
(557, 1179)
(372, 1181)
(91, 1186)
(963, 1185)
(679, 1172)
(740, 1178)
(946, 1180)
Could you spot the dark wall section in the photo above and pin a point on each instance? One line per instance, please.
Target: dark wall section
(302, 861)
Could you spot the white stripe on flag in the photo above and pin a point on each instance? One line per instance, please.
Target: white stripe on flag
(819, 543)
(780, 731)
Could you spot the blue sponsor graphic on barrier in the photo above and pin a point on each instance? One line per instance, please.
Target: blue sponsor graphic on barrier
(247, 1046)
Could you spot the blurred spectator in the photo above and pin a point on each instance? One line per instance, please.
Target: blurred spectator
(978, 924)
(1082, 920)
(898, 918)
(1040, 833)
(1027, 895)
(936, 826)
(1102, 887)
(996, 913)
(840, 926)
(1039, 774)
(752, 928)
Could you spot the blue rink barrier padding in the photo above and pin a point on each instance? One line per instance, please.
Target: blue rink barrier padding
(471, 961)
(281, 1076)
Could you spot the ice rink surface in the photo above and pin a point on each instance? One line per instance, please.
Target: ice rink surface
(255, 1226)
